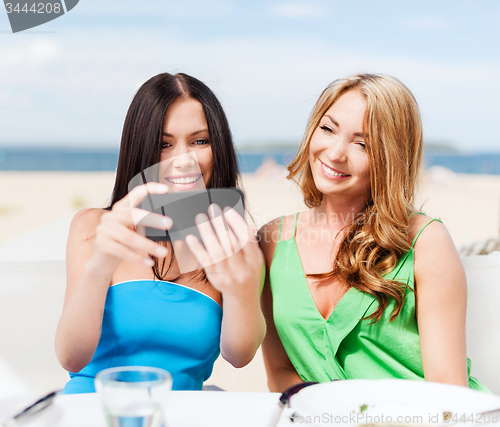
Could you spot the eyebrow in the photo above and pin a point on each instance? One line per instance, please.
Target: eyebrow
(360, 134)
(194, 133)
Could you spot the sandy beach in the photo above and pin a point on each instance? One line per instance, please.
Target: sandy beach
(469, 205)
(35, 211)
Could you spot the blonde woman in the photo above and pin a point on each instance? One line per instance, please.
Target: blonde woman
(361, 285)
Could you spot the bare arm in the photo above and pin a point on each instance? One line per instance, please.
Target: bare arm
(243, 327)
(280, 372)
(441, 292)
(234, 265)
(79, 327)
(98, 241)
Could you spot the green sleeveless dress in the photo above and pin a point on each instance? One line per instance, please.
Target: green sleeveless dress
(343, 346)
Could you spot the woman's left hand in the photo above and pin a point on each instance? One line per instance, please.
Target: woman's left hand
(232, 259)
(234, 265)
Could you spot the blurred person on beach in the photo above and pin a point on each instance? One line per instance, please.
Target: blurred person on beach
(362, 285)
(127, 300)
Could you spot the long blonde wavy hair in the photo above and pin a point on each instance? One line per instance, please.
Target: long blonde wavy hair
(378, 237)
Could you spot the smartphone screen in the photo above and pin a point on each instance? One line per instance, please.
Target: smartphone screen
(184, 206)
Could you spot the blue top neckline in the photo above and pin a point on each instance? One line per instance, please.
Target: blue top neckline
(170, 283)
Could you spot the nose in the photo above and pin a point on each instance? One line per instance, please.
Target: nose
(184, 160)
(337, 151)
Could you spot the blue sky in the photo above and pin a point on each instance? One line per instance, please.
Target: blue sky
(70, 81)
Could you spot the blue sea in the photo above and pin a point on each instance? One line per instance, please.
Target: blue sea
(61, 159)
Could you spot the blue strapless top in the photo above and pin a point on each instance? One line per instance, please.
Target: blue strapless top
(159, 324)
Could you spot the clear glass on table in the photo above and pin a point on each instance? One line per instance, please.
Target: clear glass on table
(134, 396)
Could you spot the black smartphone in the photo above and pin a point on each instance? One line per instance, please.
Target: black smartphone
(184, 206)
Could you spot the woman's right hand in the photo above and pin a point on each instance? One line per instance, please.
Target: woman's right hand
(93, 254)
(116, 236)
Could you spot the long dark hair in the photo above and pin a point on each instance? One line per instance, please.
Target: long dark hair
(141, 142)
(142, 131)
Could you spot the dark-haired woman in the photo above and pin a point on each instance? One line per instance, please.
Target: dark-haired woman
(361, 286)
(128, 300)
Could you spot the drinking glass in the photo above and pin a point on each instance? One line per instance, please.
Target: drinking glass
(134, 396)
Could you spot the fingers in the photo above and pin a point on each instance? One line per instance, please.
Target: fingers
(138, 194)
(246, 236)
(199, 251)
(238, 224)
(235, 243)
(221, 229)
(113, 232)
(229, 234)
(218, 240)
(229, 270)
(116, 233)
(143, 218)
(120, 251)
(210, 239)
(126, 218)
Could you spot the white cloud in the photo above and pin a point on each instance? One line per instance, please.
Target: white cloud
(43, 50)
(84, 83)
(32, 53)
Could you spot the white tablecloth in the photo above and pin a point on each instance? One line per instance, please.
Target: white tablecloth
(185, 409)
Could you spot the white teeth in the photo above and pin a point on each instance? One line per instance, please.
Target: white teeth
(332, 173)
(188, 180)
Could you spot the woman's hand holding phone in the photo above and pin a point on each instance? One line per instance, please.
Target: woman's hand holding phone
(230, 253)
(234, 265)
(117, 238)
(91, 264)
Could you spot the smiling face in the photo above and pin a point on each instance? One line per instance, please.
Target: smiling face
(186, 156)
(337, 151)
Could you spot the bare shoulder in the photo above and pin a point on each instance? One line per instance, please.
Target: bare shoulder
(80, 245)
(81, 238)
(270, 226)
(436, 258)
(268, 237)
(84, 223)
(269, 234)
(434, 233)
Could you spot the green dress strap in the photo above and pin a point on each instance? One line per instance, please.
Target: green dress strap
(294, 226)
(279, 234)
(422, 229)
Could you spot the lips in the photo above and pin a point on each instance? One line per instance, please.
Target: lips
(333, 172)
(183, 179)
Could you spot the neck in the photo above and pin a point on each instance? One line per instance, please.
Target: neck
(340, 211)
(185, 259)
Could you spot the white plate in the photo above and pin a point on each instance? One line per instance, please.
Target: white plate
(390, 402)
